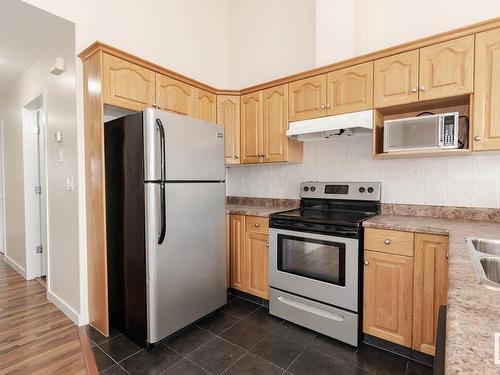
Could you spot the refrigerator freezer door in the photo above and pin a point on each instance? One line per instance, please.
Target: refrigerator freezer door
(194, 149)
(186, 273)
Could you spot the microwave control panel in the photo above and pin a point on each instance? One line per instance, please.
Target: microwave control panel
(449, 130)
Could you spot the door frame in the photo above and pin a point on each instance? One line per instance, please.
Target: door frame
(2, 176)
(29, 118)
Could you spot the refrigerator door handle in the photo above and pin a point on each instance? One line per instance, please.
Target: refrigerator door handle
(163, 215)
(161, 129)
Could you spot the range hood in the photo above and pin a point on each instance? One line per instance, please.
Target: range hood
(331, 126)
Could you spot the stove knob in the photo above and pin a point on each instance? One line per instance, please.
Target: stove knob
(370, 189)
(361, 189)
(306, 188)
(313, 188)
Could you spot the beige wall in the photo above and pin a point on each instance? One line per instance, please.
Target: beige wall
(269, 39)
(187, 36)
(383, 23)
(63, 226)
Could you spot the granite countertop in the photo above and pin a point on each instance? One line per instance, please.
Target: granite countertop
(263, 211)
(258, 206)
(473, 310)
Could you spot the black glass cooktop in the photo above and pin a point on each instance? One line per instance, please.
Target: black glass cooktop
(330, 212)
(331, 217)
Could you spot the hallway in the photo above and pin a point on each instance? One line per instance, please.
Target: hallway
(35, 337)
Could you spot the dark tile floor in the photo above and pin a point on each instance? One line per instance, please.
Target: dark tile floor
(242, 338)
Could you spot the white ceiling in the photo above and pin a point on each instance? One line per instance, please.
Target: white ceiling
(25, 33)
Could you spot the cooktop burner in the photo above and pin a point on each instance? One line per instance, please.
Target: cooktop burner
(332, 217)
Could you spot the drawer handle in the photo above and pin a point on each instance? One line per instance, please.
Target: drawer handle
(311, 309)
(387, 242)
(257, 225)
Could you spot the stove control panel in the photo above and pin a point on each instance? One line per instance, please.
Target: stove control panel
(366, 191)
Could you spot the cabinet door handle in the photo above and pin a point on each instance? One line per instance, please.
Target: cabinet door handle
(387, 242)
(257, 225)
(423, 88)
(236, 157)
(267, 245)
(366, 263)
(323, 106)
(328, 106)
(414, 90)
(154, 105)
(477, 138)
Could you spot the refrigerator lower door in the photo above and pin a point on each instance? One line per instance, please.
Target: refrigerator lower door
(193, 149)
(186, 273)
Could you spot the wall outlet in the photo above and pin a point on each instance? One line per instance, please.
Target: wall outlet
(69, 183)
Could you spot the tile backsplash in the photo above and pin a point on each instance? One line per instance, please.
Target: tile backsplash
(467, 181)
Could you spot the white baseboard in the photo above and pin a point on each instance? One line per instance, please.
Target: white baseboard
(64, 307)
(15, 265)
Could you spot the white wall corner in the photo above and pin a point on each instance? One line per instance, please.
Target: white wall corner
(15, 265)
(65, 308)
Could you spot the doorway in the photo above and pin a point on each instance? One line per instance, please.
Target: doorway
(35, 190)
(2, 203)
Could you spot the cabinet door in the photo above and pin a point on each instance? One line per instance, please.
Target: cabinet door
(205, 106)
(350, 89)
(486, 124)
(257, 246)
(388, 300)
(228, 114)
(251, 128)
(237, 252)
(396, 79)
(275, 123)
(446, 69)
(430, 289)
(127, 85)
(174, 96)
(307, 98)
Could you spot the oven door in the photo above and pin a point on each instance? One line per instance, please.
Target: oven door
(317, 266)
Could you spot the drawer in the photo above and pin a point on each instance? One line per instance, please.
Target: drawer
(257, 224)
(389, 241)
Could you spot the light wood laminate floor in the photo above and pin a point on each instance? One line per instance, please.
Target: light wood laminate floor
(35, 336)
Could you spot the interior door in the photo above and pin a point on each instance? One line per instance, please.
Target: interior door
(186, 272)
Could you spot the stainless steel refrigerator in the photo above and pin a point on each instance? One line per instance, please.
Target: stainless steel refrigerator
(165, 215)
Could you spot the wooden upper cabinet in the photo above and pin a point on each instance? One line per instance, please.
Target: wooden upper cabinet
(486, 123)
(251, 128)
(307, 98)
(127, 85)
(237, 251)
(228, 114)
(388, 297)
(205, 106)
(350, 89)
(275, 123)
(447, 69)
(430, 289)
(174, 96)
(396, 79)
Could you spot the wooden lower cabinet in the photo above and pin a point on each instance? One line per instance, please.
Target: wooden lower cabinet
(237, 251)
(249, 245)
(430, 289)
(256, 264)
(388, 297)
(402, 293)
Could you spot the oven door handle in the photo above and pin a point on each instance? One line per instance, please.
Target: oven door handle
(311, 309)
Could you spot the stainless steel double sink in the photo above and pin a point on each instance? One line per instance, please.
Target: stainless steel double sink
(485, 257)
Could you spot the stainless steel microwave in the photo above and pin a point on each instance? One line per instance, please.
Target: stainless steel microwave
(430, 132)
